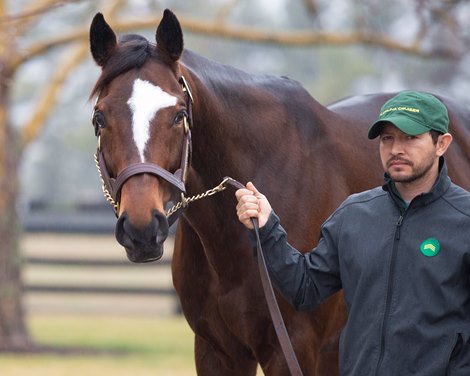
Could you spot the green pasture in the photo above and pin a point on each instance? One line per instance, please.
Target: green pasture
(103, 345)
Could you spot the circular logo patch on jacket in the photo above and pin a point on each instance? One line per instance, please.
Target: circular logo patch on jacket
(430, 247)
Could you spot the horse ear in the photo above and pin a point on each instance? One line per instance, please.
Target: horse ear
(102, 40)
(169, 36)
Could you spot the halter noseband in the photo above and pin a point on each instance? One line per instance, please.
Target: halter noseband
(112, 186)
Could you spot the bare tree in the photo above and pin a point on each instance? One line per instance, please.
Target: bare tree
(13, 332)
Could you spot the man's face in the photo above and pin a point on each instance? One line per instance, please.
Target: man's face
(406, 158)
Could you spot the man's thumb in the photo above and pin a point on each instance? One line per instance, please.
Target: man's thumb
(252, 187)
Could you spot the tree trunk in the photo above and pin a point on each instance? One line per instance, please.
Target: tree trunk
(13, 331)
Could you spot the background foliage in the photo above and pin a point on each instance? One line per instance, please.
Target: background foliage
(58, 168)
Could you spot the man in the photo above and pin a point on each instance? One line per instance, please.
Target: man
(401, 252)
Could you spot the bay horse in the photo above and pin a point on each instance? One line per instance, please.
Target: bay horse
(171, 122)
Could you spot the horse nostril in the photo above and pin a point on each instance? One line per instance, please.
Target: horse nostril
(155, 233)
(143, 243)
(122, 236)
(161, 226)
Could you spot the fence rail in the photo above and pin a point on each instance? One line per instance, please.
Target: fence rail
(85, 262)
(79, 271)
(100, 290)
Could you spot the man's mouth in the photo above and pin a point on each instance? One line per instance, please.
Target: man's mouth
(398, 163)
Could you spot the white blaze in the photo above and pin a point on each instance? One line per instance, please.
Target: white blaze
(145, 101)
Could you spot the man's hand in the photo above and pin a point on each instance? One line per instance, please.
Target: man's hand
(252, 204)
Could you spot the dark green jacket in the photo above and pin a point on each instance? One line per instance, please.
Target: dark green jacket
(404, 273)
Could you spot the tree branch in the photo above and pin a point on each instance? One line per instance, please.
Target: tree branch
(246, 33)
(224, 11)
(311, 7)
(32, 11)
(78, 34)
(49, 98)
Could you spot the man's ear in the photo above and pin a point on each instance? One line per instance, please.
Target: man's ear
(443, 143)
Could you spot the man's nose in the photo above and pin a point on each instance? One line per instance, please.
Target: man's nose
(397, 147)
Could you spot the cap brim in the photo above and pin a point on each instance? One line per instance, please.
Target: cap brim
(406, 125)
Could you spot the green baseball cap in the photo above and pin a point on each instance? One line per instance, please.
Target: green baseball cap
(414, 113)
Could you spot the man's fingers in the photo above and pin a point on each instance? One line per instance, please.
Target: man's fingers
(255, 191)
(239, 193)
(252, 188)
(247, 207)
(251, 204)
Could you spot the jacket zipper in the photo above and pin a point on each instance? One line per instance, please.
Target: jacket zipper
(398, 228)
(389, 292)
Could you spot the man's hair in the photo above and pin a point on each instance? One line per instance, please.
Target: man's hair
(435, 135)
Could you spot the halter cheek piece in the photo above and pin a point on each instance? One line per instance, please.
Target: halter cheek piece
(112, 186)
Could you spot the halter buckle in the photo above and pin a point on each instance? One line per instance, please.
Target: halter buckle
(185, 87)
(184, 201)
(186, 125)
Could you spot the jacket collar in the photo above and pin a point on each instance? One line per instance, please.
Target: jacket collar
(440, 186)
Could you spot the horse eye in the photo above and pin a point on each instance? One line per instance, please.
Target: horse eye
(98, 121)
(180, 117)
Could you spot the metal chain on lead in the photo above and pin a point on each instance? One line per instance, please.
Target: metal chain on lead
(106, 193)
(185, 201)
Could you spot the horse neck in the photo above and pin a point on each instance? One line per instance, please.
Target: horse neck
(234, 110)
(247, 127)
(217, 122)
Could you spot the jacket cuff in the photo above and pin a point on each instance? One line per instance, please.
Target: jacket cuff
(264, 231)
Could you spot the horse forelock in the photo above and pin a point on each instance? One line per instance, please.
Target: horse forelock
(133, 52)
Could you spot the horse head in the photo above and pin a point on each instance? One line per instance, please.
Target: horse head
(141, 118)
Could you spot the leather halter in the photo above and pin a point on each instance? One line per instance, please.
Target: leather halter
(275, 313)
(112, 186)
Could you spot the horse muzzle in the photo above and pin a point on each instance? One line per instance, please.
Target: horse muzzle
(143, 243)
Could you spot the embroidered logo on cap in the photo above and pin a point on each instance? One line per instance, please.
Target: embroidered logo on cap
(430, 247)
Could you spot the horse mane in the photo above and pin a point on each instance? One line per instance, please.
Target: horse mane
(131, 52)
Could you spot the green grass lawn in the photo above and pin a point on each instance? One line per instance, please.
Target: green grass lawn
(134, 346)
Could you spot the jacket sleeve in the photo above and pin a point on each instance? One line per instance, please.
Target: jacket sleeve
(307, 279)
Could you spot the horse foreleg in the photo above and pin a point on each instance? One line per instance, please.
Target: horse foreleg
(217, 350)
(213, 362)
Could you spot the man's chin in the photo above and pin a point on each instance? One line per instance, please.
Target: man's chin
(397, 173)
(401, 177)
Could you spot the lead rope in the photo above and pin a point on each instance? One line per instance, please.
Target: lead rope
(276, 317)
